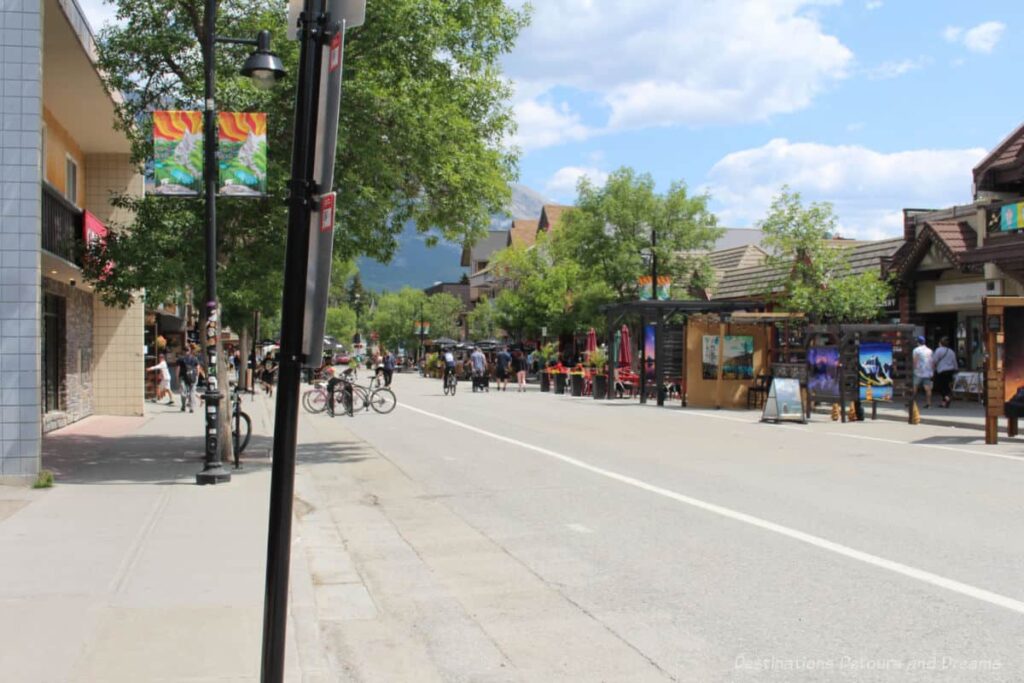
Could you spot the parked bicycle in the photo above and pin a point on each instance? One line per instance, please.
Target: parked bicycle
(350, 395)
(241, 425)
(315, 400)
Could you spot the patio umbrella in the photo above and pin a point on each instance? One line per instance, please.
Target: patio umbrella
(591, 342)
(625, 349)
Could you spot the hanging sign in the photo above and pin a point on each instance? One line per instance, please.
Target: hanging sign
(242, 139)
(784, 402)
(176, 169)
(327, 212)
(1011, 217)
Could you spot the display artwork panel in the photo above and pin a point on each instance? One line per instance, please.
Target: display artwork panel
(177, 166)
(709, 356)
(649, 331)
(738, 357)
(1013, 351)
(875, 371)
(242, 138)
(823, 371)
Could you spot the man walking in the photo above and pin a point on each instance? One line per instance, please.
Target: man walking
(389, 367)
(188, 374)
(478, 362)
(923, 371)
(503, 359)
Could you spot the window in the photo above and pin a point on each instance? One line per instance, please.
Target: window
(71, 180)
(42, 150)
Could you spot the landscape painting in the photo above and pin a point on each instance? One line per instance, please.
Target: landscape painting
(177, 168)
(875, 371)
(823, 371)
(738, 357)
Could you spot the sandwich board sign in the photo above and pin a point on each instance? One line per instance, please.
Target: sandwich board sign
(784, 402)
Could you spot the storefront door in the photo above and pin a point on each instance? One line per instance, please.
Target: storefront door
(53, 349)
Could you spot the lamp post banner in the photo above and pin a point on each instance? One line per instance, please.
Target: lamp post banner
(321, 242)
(177, 166)
(242, 140)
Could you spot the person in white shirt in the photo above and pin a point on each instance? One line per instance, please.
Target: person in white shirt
(945, 365)
(164, 387)
(923, 371)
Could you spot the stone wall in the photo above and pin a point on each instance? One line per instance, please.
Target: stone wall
(77, 396)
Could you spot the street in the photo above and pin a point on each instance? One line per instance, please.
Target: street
(512, 536)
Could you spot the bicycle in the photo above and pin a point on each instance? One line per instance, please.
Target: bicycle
(451, 382)
(382, 400)
(241, 424)
(315, 400)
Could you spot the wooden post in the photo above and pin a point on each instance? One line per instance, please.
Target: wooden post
(721, 358)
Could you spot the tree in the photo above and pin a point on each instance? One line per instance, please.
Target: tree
(611, 228)
(812, 272)
(483, 320)
(420, 137)
(396, 314)
(341, 323)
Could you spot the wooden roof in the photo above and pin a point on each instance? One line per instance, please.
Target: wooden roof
(953, 238)
(524, 232)
(1003, 168)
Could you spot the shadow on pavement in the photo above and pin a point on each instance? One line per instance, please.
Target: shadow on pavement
(951, 441)
(164, 460)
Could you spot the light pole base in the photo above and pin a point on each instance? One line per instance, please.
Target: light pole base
(214, 475)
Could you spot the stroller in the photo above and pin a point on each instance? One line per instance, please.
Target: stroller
(481, 381)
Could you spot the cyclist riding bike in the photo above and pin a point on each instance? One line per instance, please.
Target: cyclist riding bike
(449, 366)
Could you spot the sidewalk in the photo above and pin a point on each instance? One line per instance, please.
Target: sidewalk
(128, 571)
(960, 415)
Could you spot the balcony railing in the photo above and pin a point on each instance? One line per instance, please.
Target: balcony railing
(62, 226)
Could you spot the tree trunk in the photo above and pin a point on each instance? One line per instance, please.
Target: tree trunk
(244, 343)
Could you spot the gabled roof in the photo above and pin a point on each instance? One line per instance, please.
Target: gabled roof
(1003, 168)
(737, 257)
(954, 239)
(550, 216)
(524, 232)
(496, 240)
(738, 237)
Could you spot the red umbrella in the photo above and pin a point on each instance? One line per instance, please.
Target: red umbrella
(591, 342)
(625, 349)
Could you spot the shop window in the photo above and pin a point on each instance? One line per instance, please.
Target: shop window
(53, 350)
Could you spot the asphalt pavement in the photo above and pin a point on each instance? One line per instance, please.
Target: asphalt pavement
(528, 536)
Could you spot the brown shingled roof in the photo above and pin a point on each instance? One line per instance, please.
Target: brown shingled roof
(953, 238)
(738, 257)
(524, 232)
(550, 215)
(1008, 155)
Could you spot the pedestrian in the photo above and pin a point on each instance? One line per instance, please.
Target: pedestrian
(503, 361)
(389, 367)
(378, 368)
(268, 371)
(923, 371)
(945, 367)
(519, 367)
(478, 363)
(164, 386)
(188, 375)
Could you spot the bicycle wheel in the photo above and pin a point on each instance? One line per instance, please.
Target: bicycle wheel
(383, 400)
(360, 397)
(243, 432)
(455, 383)
(315, 401)
(446, 387)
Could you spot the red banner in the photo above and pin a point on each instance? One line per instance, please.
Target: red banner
(95, 233)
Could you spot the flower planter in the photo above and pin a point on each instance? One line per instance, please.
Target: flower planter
(545, 381)
(576, 384)
(559, 383)
(600, 387)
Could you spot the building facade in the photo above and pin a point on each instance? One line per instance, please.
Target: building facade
(64, 355)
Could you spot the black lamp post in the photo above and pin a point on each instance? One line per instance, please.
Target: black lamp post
(643, 321)
(264, 68)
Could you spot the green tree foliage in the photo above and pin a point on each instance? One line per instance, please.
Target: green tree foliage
(813, 274)
(425, 113)
(483, 320)
(611, 227)
(341, 323)
(396, 314)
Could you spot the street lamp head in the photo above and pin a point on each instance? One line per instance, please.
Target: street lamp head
(263, 66)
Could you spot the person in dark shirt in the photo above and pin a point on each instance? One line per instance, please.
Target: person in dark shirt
(188, 375)
(503, 361)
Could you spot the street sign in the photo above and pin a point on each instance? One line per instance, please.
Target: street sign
(327, 213)
(352, 12)
(321, 240)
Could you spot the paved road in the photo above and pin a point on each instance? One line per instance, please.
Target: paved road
(537, 537)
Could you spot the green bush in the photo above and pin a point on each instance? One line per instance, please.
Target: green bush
(44, 480)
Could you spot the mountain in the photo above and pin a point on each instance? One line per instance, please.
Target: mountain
(417, 265)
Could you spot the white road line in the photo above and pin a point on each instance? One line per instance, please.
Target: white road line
(810, 539)
(579, 528)
(952, 449)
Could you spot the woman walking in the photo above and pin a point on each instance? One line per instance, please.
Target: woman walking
(944, 361)
(519, 367)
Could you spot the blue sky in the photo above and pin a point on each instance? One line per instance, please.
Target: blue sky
(874, 105)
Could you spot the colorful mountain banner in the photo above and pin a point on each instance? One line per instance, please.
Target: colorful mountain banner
(177, 168)
(243, 154)
(664, 287)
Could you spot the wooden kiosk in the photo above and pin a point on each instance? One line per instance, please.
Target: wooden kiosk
(1004, 363)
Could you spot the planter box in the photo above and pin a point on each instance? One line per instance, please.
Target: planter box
(545, 382)
(559, 384)
(576, 384)
(600, 387)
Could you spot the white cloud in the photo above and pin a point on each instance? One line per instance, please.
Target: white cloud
(669, 62)
(562, 185)
(887, 70)
(868, 188)
(873, 4)
(541, 124)
(982, 38)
